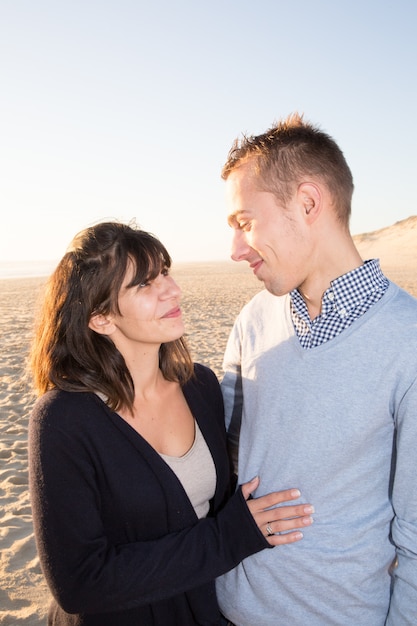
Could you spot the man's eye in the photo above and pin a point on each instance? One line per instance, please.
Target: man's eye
(244, 226)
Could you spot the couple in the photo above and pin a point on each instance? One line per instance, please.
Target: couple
(136, 516)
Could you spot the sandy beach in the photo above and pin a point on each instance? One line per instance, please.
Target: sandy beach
(213, 294)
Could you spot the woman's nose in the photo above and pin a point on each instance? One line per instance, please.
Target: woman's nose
(172, 289)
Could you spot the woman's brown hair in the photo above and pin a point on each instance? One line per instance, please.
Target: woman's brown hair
(68, 355)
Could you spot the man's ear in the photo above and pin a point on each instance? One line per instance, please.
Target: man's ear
(311, 201)
(101, 324)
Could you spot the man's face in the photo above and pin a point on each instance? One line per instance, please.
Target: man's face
(272, 238)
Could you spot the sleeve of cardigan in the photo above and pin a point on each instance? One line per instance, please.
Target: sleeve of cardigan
(85, 572)
(403, 607)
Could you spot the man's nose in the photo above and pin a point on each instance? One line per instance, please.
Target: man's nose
(240, 247)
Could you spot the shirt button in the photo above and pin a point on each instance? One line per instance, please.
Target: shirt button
(331, 296)
(342, 312)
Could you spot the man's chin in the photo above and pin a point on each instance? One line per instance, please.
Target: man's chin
(273, 288)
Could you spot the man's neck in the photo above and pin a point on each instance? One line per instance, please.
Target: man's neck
(329, 267)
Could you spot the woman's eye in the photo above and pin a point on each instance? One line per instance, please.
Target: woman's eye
(148, 282)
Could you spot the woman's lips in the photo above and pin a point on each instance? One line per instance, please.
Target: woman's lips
(176, 312)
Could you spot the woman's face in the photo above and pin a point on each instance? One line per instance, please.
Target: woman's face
(150, 313)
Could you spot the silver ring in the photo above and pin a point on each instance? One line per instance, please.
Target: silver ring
(269, 530)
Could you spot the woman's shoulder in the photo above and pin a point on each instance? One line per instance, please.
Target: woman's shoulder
(58, 397)
(204, 395)
(203, 382)
(204, 374)
(61, 405)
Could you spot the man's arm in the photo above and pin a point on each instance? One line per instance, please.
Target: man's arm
(231, 386)
(403, 608)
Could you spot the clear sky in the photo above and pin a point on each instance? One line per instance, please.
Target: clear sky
(127, 109)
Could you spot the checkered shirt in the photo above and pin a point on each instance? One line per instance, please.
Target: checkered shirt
(347, 298)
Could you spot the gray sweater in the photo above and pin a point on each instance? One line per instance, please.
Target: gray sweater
(339, 422)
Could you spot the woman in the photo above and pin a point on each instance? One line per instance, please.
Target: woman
(129, 473)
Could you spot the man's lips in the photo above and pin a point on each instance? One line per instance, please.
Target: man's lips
(175, 312)
(256, 265)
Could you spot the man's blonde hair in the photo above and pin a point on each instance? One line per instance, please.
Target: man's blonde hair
(293, 151)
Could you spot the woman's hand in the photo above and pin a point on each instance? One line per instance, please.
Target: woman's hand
(283, 519)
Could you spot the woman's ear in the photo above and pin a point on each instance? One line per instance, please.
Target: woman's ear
(101, 324)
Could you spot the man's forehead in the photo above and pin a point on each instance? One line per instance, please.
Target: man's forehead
(234, 204)
(238, 186)
(241, 184)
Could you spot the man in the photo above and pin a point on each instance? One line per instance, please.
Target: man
(320, 391)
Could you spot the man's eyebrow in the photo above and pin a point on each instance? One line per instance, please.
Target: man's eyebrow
(234, 218)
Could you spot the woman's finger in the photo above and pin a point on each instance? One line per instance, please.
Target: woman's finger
(285, 525)
(280, 512)
(276, 497)
(280, 540)
(248, 488)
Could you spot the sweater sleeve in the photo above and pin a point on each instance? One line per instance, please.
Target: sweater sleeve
(403, 607)
(85, 570)
(231, 387)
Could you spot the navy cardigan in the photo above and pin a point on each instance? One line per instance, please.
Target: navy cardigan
(118, 539)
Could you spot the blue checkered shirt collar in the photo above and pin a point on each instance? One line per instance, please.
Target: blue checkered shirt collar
(347, 298)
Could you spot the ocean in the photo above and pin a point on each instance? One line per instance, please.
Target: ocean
(26, 269)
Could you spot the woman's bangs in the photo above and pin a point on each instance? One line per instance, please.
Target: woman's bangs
(148, 262)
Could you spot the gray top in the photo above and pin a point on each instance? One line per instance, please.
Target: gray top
(196, 471)
(327, 420)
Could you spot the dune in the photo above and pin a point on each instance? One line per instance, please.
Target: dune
(396, 244)
(396, 248)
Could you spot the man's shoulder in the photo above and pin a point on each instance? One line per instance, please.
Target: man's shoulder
(400, 301)
(393, 319)
(265, 299)
(264, 302)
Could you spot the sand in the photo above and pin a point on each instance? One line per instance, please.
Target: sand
(213, 294)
